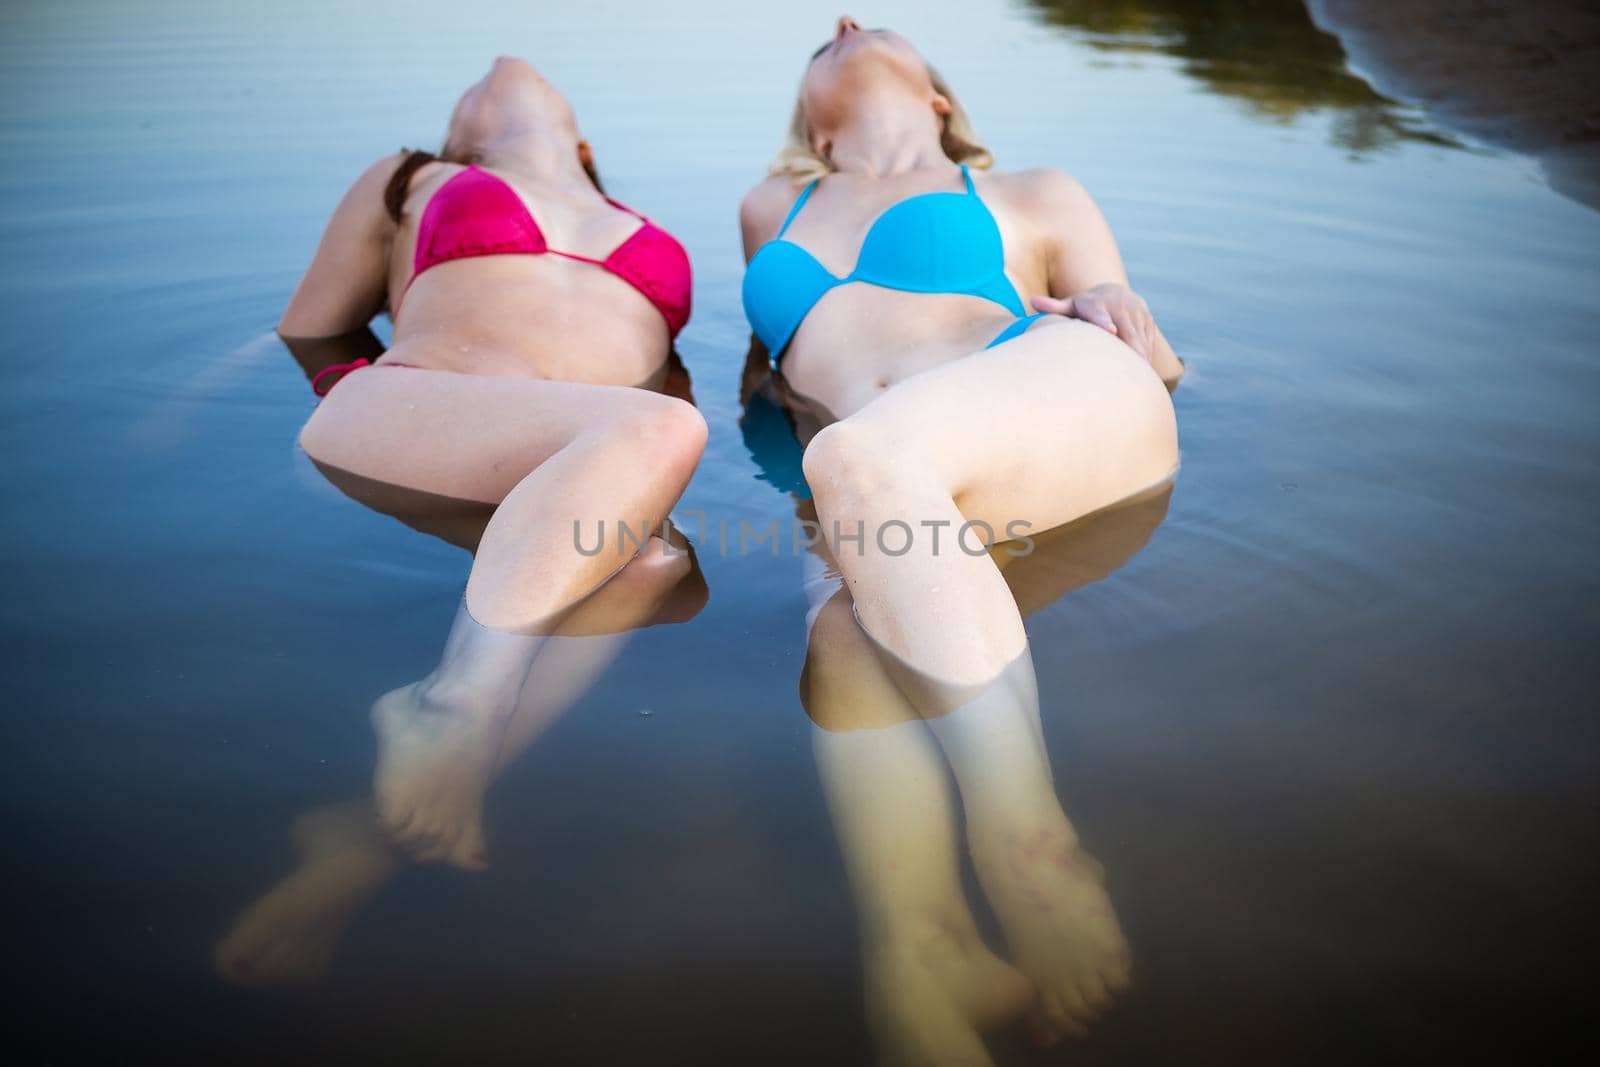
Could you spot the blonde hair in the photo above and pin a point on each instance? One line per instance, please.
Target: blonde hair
(801, 163)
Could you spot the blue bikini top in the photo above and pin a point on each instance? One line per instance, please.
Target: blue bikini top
(932, 243)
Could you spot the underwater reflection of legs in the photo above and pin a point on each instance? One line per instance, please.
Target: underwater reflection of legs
(896, 824)
(1048, 893)
(442, 739)
(888, 737)
(429, 770)
(552, 458)
(931, 982)
(1072, 422)
(439, 741)
(289, 934)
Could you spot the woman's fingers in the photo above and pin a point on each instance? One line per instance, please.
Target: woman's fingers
(1131, 329)
(1094, 310)
(1115, 317)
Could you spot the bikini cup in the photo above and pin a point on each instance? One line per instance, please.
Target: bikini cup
(940, 242)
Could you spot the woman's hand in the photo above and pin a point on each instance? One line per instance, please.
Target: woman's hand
(1123, 313)
(1114, 308)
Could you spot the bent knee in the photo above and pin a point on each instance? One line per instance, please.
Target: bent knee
(323, 437)
(663, 427)
(851, 458)
(844, 686)
(658, 566)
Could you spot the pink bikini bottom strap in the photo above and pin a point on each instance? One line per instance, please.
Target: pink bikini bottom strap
(332, 375)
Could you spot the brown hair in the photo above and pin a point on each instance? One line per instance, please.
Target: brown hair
(399, 187)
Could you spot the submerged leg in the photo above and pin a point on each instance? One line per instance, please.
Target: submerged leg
(439, 748)
(1071, 421)
(931, 982)
(573, 470)
(290, 934)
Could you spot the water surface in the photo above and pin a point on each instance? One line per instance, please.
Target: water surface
(1328, 728)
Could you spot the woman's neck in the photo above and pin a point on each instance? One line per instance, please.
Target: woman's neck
(543, 155)
(883, 138)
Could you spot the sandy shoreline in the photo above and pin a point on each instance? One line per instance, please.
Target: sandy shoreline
(1520, 76)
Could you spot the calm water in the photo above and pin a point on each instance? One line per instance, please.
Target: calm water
(1329, 729)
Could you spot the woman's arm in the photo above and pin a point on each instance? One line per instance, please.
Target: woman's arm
(317, 354)
(1086, 275)
(346, 284)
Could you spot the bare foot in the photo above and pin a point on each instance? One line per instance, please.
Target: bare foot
(1049, 895)
(928, 996)
(290, 934)
(435, 758)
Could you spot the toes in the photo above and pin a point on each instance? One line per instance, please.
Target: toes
(471, 852)
(411, 837)
(393, 820)
(1118, 975)
(233, 964)
(414, 836)
(428, 848)
(1042, 1033)
(1078, 1006)
(239, 955)
(1095, 994)
(1059, 1014)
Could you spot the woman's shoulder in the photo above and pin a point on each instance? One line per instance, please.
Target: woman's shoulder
(413, 181)
(1044, 200)
(389, 182)
(762, 211)
(774, 194)
(1037, 188)
(418, 164)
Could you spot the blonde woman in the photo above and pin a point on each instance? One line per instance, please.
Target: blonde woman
(987, 372)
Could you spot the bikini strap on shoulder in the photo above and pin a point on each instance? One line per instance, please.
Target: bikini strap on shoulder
(624, 207)
(967, 174)
(799, 203)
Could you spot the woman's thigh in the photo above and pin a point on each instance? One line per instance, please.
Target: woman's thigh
(470, 437)
(1057, 423)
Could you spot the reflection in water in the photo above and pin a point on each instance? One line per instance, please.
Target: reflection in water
(897, 753)
(1267, 53)
(445, 739)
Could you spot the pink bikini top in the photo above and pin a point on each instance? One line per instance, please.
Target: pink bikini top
(478, 214)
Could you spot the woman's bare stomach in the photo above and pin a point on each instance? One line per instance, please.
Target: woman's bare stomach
(860, 341)
(525, 317)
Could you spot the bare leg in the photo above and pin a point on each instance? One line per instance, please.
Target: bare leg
(568, 465)
(1060, 422)
(434, 768)
(1056, 424)
(549, 454)
(931, 982)
(1048, 892)
(289, 935)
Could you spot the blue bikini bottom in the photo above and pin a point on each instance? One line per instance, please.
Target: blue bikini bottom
(1015, 328)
